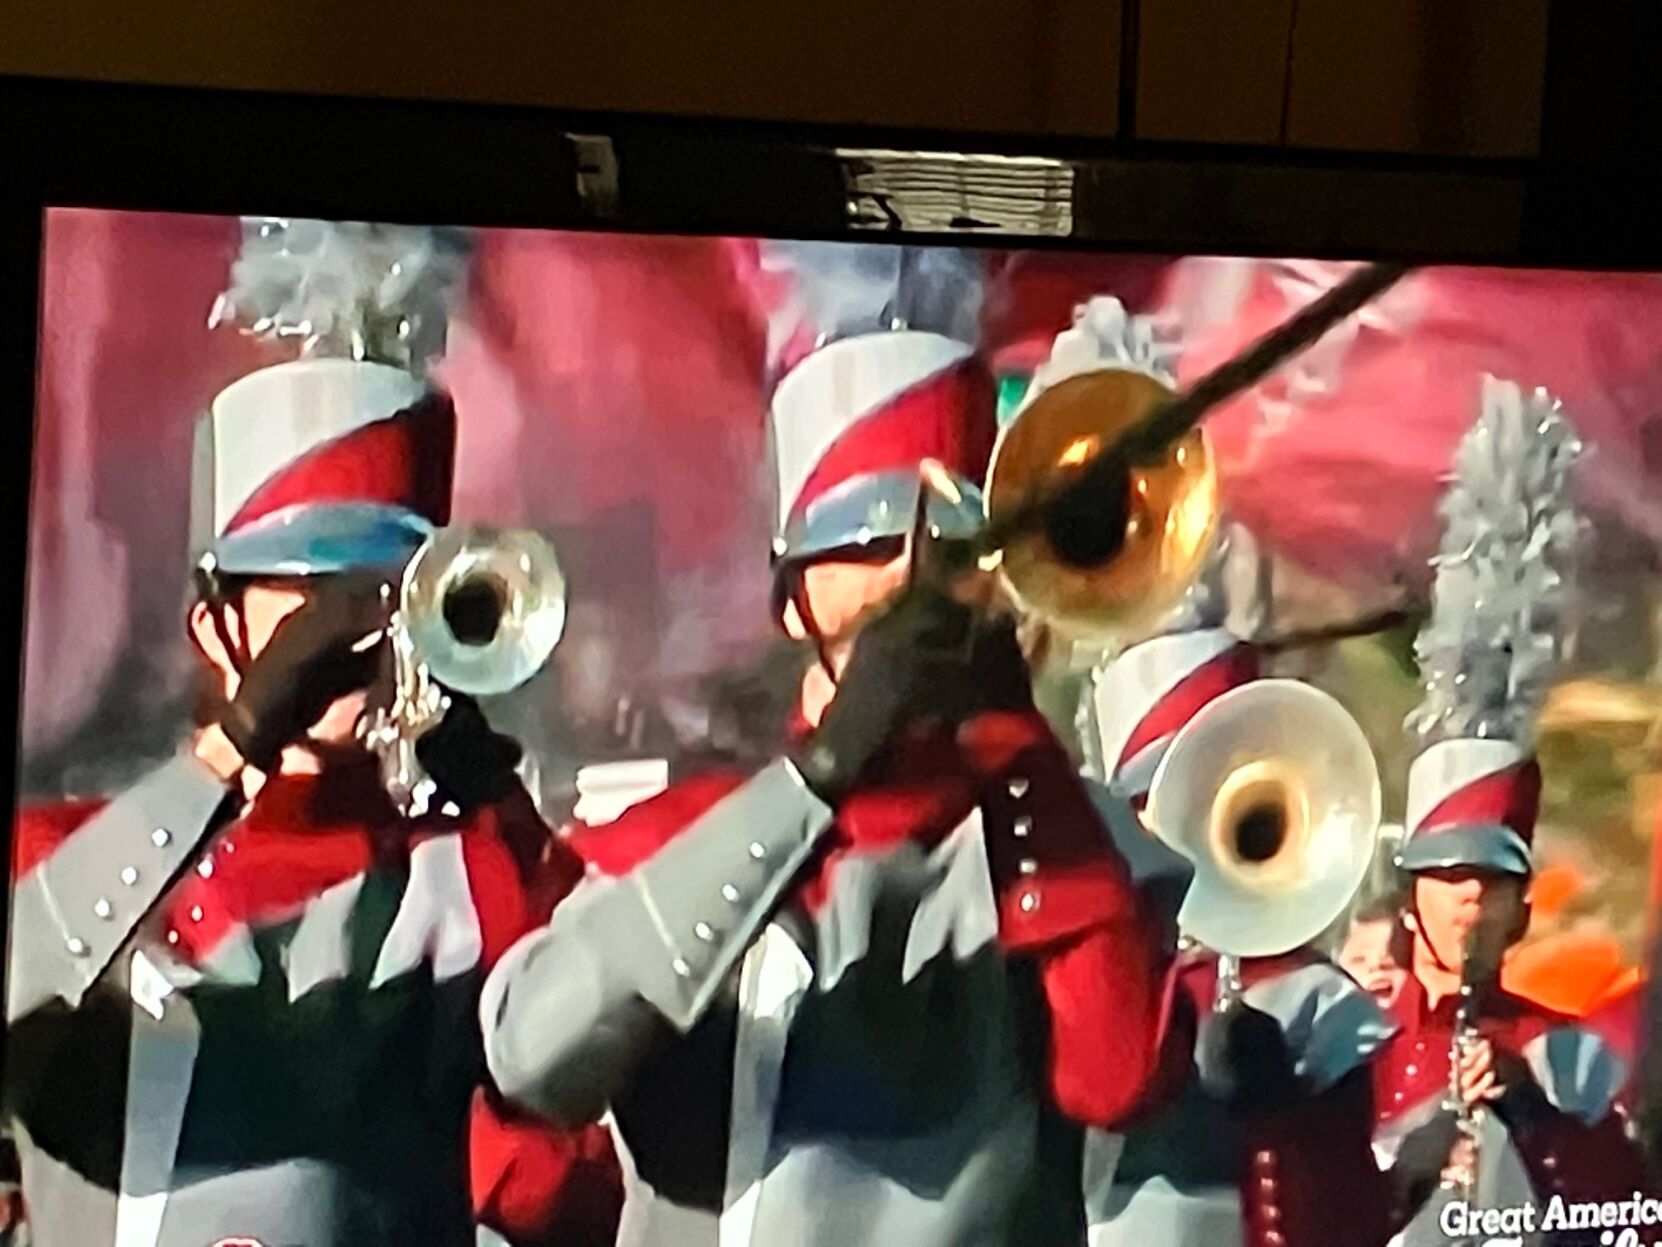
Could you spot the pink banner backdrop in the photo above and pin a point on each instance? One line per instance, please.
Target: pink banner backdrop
(613, 391)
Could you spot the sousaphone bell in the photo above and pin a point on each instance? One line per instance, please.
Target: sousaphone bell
(1273, 793)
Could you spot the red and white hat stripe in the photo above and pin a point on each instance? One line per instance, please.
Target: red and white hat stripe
(856, 417)
(1150, 692)
(1473, 782)
(925, 421)
(321, 465)
(404, 462)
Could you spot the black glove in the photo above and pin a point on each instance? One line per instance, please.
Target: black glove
(996, 677)
(1244, 1057)
(318, 654)
(1419, 1165)
(907, 663)
(472, 764)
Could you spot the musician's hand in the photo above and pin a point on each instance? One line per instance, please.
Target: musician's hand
(906, 664)
(1243, 1057)
(1479, 1076)
(995, 675)
(472, 764)
(318, 654)
(1461, 1171)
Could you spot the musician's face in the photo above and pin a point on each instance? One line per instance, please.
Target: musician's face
(842, 593)
(1369, 958)
(1448, 904)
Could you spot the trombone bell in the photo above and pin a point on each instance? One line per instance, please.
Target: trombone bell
(484, 608)
(1272, 791)
(1114, 565)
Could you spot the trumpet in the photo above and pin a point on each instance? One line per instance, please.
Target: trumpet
(1274, 795)
(479, 611)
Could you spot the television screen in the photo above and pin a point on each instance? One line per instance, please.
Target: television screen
(542, 737)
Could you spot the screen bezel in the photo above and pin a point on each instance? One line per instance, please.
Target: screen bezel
(228, 153)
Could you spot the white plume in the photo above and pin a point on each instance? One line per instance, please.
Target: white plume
(347, 288)
(1500, 610)
(1104, 335)
(1231, 589)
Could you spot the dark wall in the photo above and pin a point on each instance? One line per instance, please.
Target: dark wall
(1453, 77)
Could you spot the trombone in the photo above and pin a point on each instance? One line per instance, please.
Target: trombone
(1102, 496)
(1102, 507)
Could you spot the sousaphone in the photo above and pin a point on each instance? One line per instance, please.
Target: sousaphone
(1273, 792)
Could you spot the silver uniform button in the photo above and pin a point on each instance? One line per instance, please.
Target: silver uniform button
(161, 837)
(704, 931)
(758, 850)
(1029, 902)
(77, 946)
(205, 867)
(103, 908)
(196, 913)
(1028, 866)
(1018, 787)
(129, 875)
(680, 966)
(730, 894)
(1023, 826)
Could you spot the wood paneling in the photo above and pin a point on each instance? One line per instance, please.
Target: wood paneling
(977, 64)
(1212, 70)
(1434, 77)
(1458, 77)
(1078, 66)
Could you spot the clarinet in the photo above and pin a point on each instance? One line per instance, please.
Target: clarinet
(1476, 972)
(1465, 1115)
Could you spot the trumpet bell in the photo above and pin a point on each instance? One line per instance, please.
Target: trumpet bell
(1111, 565)
(1273, 792)
(484, 607)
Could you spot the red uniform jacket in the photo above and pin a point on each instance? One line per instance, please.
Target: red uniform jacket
(1065, 898)
(1299, 1163)
(305, 835)
(1575, 1144)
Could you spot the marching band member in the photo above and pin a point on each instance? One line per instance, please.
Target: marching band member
(869, 994)
(1484, 1096)
(242, 993)
(1375, 949)
(1267, 1143)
